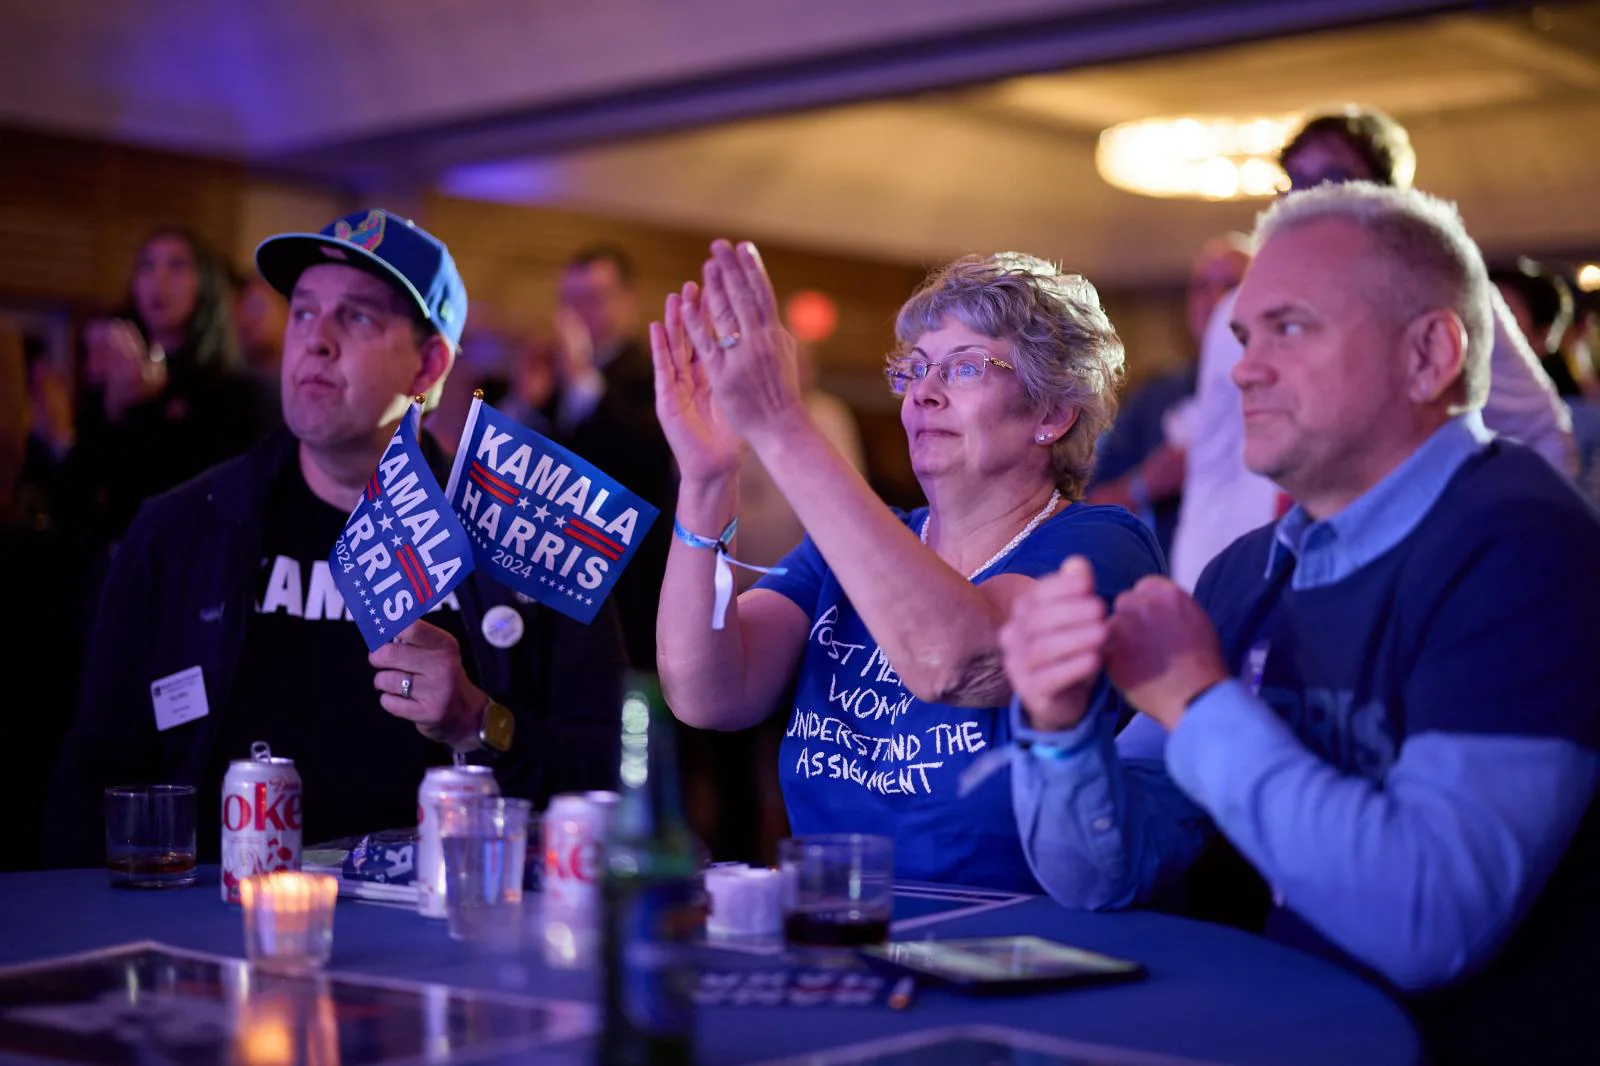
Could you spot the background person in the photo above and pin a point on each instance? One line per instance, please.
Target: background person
(1139, 466)
(1223, 499)
(162, 396)
(605, 411)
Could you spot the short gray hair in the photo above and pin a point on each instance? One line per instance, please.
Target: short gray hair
(1065, 349)
(1433, 263)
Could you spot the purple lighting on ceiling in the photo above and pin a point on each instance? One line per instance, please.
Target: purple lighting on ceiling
(511, 181)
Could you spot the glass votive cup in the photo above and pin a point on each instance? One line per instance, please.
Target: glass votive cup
(744, 902)
(288, 920)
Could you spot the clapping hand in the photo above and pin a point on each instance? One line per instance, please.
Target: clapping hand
(703, 444)
(1054, 645)
(1158, 647)
(738, 335)
(574, 350)
(129, 371)
(1162, 649)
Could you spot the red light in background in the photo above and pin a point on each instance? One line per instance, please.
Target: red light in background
(811, 316)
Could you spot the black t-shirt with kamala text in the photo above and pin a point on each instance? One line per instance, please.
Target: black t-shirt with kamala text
(305, 686)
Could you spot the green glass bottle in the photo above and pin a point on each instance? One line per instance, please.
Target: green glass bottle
(649, 896)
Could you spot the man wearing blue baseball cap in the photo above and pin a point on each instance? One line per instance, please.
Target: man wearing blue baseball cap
(221, 624)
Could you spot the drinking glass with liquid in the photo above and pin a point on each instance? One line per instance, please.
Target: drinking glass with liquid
(837, 889)
(150, 835)
(484, 840)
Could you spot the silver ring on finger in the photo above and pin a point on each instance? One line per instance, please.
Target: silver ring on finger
(729, 341)
(405, 687)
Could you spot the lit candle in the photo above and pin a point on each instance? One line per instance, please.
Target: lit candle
(288, 918)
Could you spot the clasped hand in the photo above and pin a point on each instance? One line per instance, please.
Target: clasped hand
(1157, 646)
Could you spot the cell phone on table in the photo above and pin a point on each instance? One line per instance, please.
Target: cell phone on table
(1001, 963)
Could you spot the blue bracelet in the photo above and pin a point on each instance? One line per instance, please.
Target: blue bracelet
(721, 546)
(695, 540)
(722, 582)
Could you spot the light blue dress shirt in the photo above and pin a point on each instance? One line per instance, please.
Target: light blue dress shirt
(1422, 876)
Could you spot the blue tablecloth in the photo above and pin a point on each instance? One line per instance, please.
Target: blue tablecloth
(1213, 993)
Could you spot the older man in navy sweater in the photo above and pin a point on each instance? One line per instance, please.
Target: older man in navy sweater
(1388, 701)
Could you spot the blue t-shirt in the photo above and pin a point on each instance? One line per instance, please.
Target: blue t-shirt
(861, 754)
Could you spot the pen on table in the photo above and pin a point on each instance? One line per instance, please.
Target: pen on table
(900, 995)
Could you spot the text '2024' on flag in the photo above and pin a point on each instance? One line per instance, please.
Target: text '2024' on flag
(403, 549)
(540, 518)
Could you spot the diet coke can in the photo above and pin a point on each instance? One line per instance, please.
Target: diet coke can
(574, 864)
(260, 818)
(438, 782)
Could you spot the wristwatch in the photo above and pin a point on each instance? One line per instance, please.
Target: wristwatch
(499, 725)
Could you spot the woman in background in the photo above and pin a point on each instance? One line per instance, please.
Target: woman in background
(162, 395)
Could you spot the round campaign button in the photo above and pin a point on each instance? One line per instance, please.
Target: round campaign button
(502, 626)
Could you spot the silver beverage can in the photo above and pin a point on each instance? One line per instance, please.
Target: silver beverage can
(261, 818)
(438, 782)
(574, 829)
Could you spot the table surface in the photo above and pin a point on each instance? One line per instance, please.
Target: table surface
(1212, 993)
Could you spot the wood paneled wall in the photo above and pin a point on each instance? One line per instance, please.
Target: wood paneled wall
(512, 256)
(72, 212)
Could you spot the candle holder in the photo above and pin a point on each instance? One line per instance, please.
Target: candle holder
(744, 902)
(288, 920)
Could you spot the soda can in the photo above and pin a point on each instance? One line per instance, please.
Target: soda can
(575, 827)
(437, 783)
(261, 818)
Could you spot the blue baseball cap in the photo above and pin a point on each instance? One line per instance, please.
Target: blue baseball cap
(394, 248)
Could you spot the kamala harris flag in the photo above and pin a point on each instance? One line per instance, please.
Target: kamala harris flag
(403, 549)
(541, 519)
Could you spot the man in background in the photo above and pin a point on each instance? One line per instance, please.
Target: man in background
(605, 410)
(1556, 326)
(1137, 466)
(1222, 500)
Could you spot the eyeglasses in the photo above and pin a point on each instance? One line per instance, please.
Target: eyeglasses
(958, 371)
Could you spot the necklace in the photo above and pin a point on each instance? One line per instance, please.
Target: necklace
(1033, 524)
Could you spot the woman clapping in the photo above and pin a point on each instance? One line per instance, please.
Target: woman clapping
(882, 623)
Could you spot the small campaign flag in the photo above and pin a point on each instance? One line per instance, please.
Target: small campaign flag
(542, 520)
(403, 549)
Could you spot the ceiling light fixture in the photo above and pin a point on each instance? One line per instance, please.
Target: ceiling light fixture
(1589, 277)
(1205, 158)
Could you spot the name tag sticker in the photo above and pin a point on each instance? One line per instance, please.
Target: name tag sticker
(179, 698)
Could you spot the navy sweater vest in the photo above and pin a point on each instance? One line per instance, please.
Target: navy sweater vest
(1484, 620)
